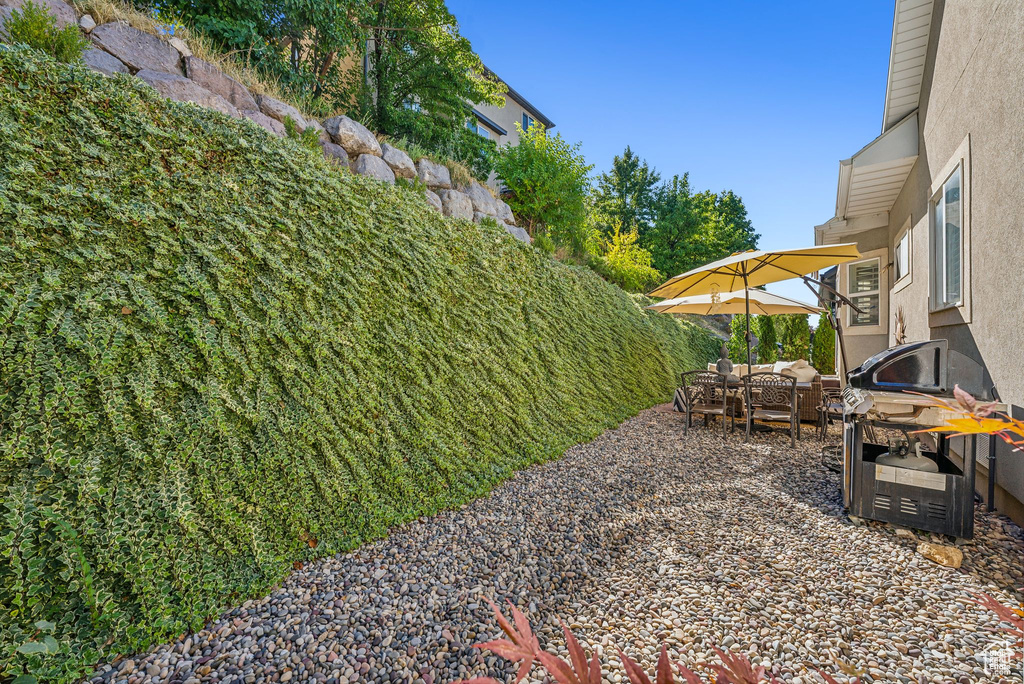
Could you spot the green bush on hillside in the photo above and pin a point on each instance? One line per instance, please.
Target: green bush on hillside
(220, 355)
(33, 25)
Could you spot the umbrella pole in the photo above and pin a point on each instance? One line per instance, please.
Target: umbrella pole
(746, 298)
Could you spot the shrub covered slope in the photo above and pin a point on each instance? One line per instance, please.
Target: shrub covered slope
(220, 355)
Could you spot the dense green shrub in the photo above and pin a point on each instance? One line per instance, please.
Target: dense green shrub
(548, 183)
(767, 344)
(34, 26)
(823, 347)
(220, 355)
(626, 263)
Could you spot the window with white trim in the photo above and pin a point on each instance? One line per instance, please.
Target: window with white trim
(864, 278)
(947, 243)
(901, 257)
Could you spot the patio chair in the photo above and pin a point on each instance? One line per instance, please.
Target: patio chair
(772, 397)
(707, 392)
(829, 408)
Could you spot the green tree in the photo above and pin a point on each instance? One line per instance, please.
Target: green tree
(548, 182)
(823, 350)
(418, 63)
(767, 349)
(626, 263)
(796, 337)
(691, 229)
(297, 41)
(737, 338)
(627, 194)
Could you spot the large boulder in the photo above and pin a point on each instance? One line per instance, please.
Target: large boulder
(505, 212)
(138, 49)
(456, 204)
(335, 154)
(321, 134)
(433, 175)
(272, 125)
(375, 167)
(432, 199)
(399, 161)
(103, 62)
(483, 200)
(219, 83)
(276, 109)
(64, 13)
(185, 90)
(352, 135)
(518, 233)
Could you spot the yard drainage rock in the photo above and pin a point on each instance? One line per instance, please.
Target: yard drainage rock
(375, 167)
(352, 135)
(640, 536)
(947, 556)
(87, 23)
(219, 83)
(137, 49)
(434, 176)
(399, 161)
(186, 90)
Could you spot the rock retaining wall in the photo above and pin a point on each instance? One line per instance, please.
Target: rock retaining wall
(168, 66)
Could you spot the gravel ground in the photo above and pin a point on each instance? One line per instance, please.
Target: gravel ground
(640, 536)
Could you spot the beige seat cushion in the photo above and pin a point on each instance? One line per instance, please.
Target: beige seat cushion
(739, 369)
(801, 370)
(762, 368)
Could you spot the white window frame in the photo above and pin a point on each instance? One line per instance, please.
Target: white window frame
(905, 233)
(942, 313)
(882, 328)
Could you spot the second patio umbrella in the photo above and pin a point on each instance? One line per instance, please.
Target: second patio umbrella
(761, 302)
(744, 270)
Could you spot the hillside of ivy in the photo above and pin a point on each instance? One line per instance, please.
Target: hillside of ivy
(220, 356)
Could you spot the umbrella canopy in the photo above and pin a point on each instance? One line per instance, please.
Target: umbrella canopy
(761, 302)
(750, 269)
(744, 270)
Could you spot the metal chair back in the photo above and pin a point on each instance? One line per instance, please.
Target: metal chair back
(769, 395)
(706, 392)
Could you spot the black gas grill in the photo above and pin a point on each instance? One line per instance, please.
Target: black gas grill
(934, 491)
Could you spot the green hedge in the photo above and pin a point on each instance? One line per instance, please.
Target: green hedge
(220, 355)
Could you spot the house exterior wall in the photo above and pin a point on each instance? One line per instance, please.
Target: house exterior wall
(507, 117)
(971, 110)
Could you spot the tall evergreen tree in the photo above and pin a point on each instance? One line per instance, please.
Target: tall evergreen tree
(626, 194)
(737, 344)
(767, 344)
(823, 351)
(796, 337)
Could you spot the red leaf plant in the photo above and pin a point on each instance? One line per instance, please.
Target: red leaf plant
(522, 647)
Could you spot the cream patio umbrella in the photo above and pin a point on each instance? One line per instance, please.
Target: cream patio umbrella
(761, 302)
(745, 270)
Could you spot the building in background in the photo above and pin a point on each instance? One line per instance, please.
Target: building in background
(935, 202)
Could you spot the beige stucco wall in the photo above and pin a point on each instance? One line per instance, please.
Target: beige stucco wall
(973, 104)
(507, 117)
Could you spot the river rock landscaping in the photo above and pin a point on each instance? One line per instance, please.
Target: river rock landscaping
(641, 536)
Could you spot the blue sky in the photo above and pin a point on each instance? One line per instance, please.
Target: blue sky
(761, 98)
